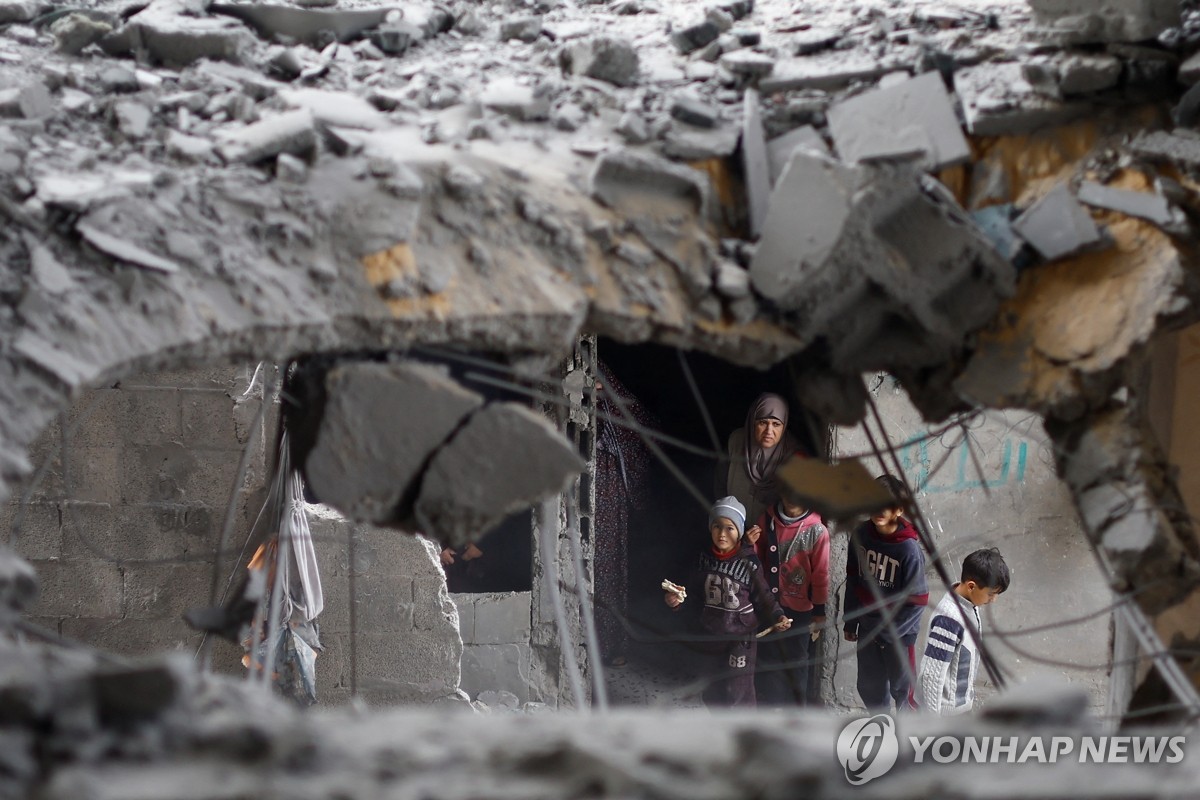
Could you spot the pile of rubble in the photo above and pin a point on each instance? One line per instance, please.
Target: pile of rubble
(259, 157)
(993, 201)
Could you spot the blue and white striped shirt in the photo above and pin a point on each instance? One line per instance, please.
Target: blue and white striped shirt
(946, 683)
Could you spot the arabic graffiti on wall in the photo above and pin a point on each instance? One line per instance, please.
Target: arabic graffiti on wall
(935, 471)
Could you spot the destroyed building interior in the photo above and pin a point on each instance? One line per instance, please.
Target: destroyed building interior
(394, 277)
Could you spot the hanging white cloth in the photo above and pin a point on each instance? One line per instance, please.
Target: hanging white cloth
(302, 578)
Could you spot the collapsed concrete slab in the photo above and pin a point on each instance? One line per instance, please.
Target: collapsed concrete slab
(913, 117)
(380, 425)
(502, 460)
(900, 270)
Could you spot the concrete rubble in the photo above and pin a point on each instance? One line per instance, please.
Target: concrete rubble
(449, 465)
(985, 202)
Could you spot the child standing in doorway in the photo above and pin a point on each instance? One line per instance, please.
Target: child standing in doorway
(885, 597)
(792, 543)
(729, 580)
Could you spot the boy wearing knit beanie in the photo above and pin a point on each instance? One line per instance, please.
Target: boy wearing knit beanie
(734, 601)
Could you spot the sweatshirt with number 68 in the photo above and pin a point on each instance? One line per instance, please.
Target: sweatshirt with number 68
(734, 593)
(896, 565)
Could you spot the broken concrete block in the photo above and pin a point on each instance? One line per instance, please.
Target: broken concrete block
(287, 64)
(342, 109)
(632, 128)
(756, 166)
(517, 100)
(997, 100)
(291, 132)
(1084, 74)
(854, 236)
(380, 424)
(604, 58)
(1088, 21)
(1057, 225)
(747, 37)
(524, 29)
(133, 118)
(1144, 205)
(76, 31)
(840, 491)
(731, 280)
(888, 123)
(168, 36)
(188, 148)
(31, 101)
(831, 71)
(780, 149)
(18, 11)
(123, 250)
(634, 183)
(748, 63)
(697, 144)
(503, 459)
(1180, 146)
(814, 40)
(394, 38)
(808, 210)
(51, 275)
(692, 38)
(309, 25)
(694, 111)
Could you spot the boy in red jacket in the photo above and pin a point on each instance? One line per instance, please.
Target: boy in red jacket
(792, 543)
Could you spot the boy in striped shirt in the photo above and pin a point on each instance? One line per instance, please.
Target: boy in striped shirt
(946, 681)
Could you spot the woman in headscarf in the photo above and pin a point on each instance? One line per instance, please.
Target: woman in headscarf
(756, 451)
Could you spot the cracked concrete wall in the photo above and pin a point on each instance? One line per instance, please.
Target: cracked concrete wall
(123, 524)
(151, 462)
(1027, 512)
(405, 635)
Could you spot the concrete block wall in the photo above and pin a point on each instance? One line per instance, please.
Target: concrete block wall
(495, 631)
(122, 523)
(1017, 504)
(403, 645)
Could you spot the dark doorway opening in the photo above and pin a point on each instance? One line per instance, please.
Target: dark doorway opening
(668, 525)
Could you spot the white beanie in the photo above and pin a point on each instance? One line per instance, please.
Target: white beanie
(731, 509)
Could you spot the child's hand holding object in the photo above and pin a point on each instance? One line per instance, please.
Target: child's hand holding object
(675, 594)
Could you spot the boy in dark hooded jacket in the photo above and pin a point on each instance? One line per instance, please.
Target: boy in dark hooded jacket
(885, 551)
(729, 582)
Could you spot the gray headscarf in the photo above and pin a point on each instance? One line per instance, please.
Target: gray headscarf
(760, 461)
